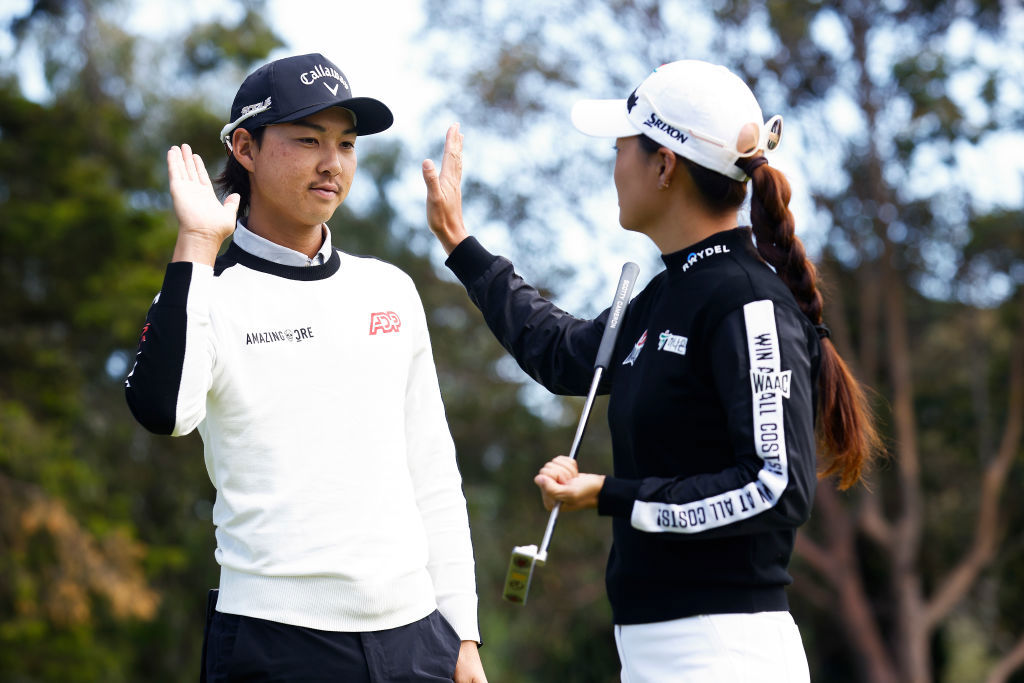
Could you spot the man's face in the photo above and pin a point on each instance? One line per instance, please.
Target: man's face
(302, 171)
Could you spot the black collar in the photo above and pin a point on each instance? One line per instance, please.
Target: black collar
(236, 254)
(708, 250)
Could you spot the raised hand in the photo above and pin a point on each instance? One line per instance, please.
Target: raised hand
(203, 222)
(444, 193)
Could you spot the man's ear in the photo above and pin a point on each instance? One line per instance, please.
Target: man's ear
(243, 147)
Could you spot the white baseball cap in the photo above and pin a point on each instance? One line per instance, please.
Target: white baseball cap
(694, 108)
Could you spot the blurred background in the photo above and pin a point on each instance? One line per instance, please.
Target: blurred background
(904, 142)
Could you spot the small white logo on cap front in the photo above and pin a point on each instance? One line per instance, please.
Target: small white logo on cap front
(320, 71)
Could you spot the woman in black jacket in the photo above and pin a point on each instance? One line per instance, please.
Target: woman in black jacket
(723, 381)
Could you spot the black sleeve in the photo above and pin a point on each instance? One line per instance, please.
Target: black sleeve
(764, 368)
(551, 346)
(153, 386)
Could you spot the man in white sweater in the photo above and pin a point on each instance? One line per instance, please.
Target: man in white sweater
(341, 526)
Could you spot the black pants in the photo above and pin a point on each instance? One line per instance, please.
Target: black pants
(240, 648)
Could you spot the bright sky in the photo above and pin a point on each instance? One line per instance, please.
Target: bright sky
(370, 42)
(373, 43)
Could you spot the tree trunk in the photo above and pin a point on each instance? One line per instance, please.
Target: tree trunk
(1013, 660)
(912, 635)
(839, 565)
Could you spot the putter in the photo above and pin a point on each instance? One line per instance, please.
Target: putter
(526, 557)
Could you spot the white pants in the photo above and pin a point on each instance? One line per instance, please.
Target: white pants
(716, 648)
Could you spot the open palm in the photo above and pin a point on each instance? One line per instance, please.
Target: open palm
(200, 214)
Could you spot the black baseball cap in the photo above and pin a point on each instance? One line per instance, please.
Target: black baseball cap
(291, 88)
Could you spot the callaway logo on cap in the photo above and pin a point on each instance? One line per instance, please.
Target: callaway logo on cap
(294, 87)
(694, 108)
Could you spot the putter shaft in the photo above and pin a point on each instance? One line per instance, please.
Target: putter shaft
(526, 557)
(580, 428)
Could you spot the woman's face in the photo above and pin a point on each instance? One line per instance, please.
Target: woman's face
(636, 181)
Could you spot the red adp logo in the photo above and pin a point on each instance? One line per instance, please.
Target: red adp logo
(384, 322)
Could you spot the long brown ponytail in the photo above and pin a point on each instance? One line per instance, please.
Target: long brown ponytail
(846, 429)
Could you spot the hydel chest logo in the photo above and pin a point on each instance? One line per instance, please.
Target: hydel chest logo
(673, 343)
(698, 256)
(299, 334)
(384, 323)
(631, 358)
(320, 71)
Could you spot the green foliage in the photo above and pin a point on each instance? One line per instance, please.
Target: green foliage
(105, 538)
(248, 41)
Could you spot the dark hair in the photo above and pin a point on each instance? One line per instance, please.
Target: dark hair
(846, 429)
(235, 178)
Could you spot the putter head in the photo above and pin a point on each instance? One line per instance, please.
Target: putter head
(520, 572)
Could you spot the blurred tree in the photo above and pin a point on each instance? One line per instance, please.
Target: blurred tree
(106, 545)
(73, 561)
(103, 542)
(888, 107)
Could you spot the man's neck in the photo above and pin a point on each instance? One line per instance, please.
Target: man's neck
(305, 239)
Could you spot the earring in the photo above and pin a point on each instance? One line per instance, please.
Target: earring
(662, 185)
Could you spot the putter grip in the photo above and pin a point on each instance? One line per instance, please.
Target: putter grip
(630, 271)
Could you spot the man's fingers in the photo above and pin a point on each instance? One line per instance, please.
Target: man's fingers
(232, 201)
(182, 164)
(175, 169)
(201, 173)
(189, 162)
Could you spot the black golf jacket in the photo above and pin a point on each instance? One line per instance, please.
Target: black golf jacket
(712, 407)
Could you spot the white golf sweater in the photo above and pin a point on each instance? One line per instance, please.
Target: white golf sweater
(339, 502)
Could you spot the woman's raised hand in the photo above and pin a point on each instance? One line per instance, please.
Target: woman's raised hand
(444, 193)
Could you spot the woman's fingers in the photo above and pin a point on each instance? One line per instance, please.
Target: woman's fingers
(561, 469)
